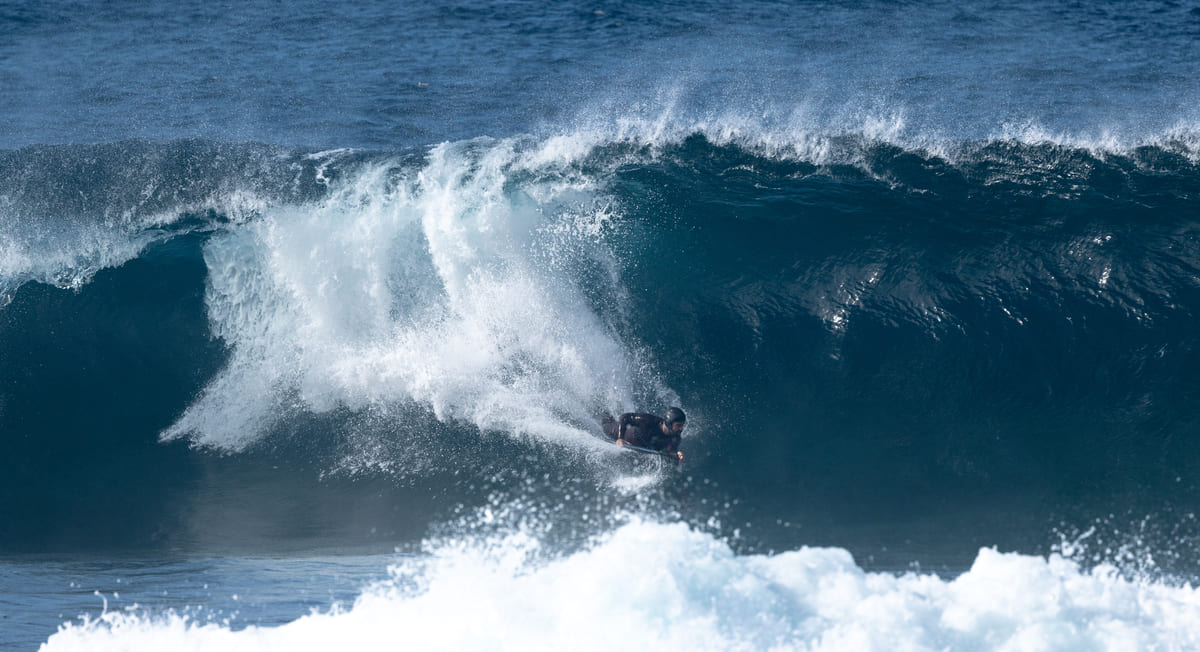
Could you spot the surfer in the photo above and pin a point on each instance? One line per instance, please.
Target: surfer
(648, 431)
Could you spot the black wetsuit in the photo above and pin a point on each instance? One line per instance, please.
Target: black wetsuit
(641, 430)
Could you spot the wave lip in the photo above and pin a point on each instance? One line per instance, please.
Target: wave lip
(674, 588)
(69, 211)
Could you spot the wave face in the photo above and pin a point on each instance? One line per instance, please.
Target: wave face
(1002, 321)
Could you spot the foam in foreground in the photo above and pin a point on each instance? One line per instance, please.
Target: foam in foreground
(668, 587)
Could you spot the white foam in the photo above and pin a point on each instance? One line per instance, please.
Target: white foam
(669, 587)
(1182, 138)
(441, 286)
(65, 258)
(822, 131)
(67, 250)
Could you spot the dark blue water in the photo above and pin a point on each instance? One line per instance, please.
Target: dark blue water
(306, 280)
(386, 74)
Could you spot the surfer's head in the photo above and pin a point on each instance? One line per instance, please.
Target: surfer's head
(675, 420)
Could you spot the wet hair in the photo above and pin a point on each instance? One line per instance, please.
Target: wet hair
(675, 415)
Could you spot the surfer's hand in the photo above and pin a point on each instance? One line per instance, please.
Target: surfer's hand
(680, 455)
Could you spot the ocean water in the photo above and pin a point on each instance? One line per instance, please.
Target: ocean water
(308, 313)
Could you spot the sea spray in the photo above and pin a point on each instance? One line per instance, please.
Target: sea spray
(443, 286)
(675, 588)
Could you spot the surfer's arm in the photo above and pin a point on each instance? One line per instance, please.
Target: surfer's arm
(622, 421)
(672, 448)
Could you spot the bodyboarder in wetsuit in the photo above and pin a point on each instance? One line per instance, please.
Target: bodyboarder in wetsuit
(648, 431)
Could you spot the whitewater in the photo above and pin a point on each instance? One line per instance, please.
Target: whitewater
(309, 315)
(693, 592)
